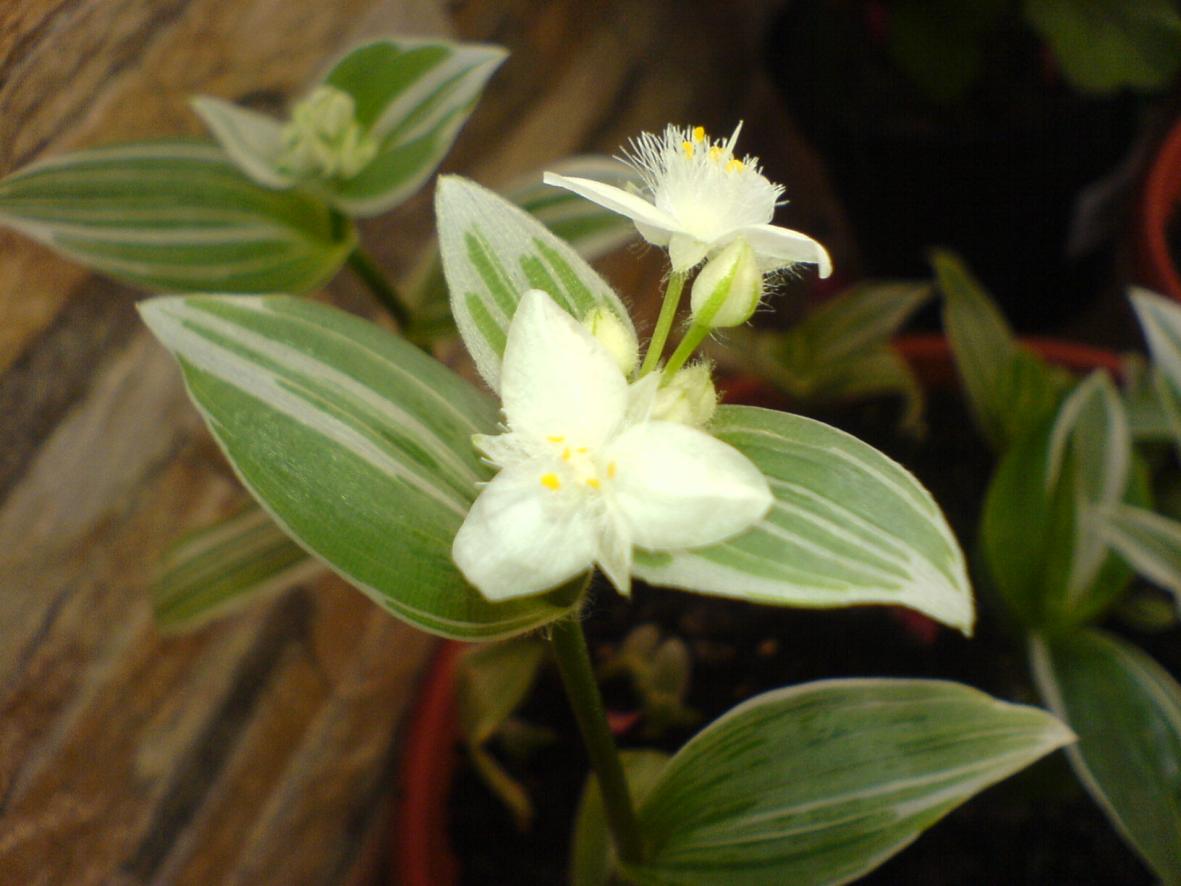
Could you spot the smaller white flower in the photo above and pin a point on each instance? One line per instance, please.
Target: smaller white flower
(586, 474)
(324, 139)
(697, 197)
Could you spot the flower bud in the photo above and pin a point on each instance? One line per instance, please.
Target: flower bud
(614, 335)
(324, 139)
(688, 398)
(729, 287)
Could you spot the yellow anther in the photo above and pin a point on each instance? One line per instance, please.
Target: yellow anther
(611, 470)
(566, 454)
(551, 481)
(582, 450)
(594, 483)
(735, 165)
(715, 153)
(698, 133)
(687, 147)
(558, 439)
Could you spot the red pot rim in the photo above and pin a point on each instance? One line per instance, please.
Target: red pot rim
(422, 852)
(1159, 201)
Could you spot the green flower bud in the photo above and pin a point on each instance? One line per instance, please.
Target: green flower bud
(688, 397)
(324, 139)
(614, 335)
(729, 287)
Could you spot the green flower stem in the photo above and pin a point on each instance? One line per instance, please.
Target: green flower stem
(664, 323)
(366, 268)
(569, 645)
(692, 340)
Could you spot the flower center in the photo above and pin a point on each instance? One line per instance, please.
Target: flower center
(578, 467)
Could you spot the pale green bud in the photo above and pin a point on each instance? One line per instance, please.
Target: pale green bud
(324, 139)
(729, 287)
(688, 398)
(614, 335)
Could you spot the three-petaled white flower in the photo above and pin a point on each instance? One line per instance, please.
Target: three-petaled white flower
(700, 197)
(586, 474)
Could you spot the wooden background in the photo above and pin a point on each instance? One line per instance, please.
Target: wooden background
(259, 749)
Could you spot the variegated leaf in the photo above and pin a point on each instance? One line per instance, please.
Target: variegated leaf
(355, 442)
(494, 252)
(1126, 710)
(175, 215)
(1150, 543)
(849, 526)
(820, 783)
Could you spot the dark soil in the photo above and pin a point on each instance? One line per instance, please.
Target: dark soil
(1036, 828)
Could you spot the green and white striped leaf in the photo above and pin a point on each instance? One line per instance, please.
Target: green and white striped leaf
(493, 252)
(355, 442)
(212, 571)
(1010, 390)
(585, 226)
(410, 95)
(1126, 710)
(1160, 318)
(849, 526)
(1150, 543)
(413, 96)
(821, 783)
(175, 215)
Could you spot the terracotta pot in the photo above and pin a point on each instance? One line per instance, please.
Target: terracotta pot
(422, 853)
(1160, 201)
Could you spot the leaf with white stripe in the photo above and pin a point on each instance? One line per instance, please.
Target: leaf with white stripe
(1160, 318)
(493, 252)
(355, 442)
(213, 571)
(848, 526)
(585, 226)
(1126, 710)
(175, 215)
(412, 96)
(823, 782)
(1150, 543)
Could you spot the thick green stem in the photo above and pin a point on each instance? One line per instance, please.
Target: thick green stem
(692, 340)
(664, 323)
(366, 268)
(578, 676)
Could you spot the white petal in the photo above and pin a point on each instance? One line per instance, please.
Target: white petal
(556, 381)
(618, 200)
(252, 140)
(685, 251)
(641, 398)
(681, 488)
(522, 538)
(655, 236)
(778, 247)
(614, 555)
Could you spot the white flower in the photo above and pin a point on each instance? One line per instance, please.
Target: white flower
(699, 197)
(585, 474)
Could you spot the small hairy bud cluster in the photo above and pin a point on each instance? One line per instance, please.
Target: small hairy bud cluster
(324, 139)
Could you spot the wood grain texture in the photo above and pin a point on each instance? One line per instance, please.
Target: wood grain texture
(258, 749)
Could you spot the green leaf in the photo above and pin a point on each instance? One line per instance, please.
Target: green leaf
(592, 857)
(585, 226)
(1105, 45)
(209, 573)
(1009, 390)
(1160, 318)
(414, 96)
(493, 253)
(849, 526)
(253, 141)
(492, 681)
(1127, 712)
(355, 442)
(1150, 543)
(175, 215)
(823, 782)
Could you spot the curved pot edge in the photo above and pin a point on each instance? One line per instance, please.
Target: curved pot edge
(1160, 199)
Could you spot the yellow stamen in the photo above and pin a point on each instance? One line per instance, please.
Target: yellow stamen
(735, 165)
(594, 483)
(582, 450)
(611, 470)
(715, 153)
(558, 439)
(551, 481)
(687, 147)
(566, 454)
(698, 133)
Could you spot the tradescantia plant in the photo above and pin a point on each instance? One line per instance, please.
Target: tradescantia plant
(482, 514)
(1067, 523)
